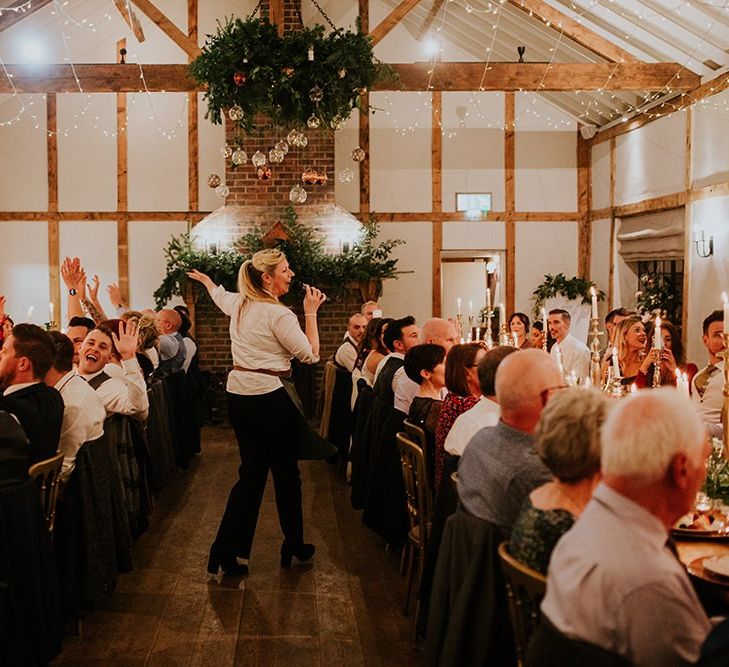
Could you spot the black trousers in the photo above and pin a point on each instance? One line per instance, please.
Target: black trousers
(265, 426)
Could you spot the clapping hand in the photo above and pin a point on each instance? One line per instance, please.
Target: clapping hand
(126, 341)
(94, 288)
(115, 294)
(313, 298)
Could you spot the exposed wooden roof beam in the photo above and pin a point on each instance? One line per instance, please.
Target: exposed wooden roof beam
(391, 20)
(537, 77)
(169, 28)
(574, 30)
(8, 18)
(436, 7)
(130, 18)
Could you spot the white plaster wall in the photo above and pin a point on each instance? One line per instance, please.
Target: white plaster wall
(473, 147)
(411, 293)
(345, 141)
(546, 157)
(465, 281)
(710, 276)
(710, 141)
(94, 243)
(477, 235)
(87, 169)
(23, 155)
(601, 175)
(400, 177)
(147, 241)
(541, 248)
(650, 161)
(24, 270)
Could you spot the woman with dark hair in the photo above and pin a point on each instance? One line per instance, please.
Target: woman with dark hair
(425, 365)
(537, 335)
(672, 357)
(519, 325)
(265, 335)
(372, 350)
(464, 391)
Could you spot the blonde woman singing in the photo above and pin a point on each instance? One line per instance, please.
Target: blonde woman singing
(264, 336)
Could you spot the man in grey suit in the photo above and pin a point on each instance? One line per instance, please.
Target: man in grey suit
(499, 467)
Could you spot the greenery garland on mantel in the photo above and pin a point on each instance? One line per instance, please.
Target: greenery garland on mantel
(289, 79)
(365, 261)
(572, 288)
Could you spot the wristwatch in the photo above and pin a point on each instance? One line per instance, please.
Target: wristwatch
(72, 292)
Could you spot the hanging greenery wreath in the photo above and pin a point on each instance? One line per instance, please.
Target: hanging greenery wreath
(559, 285)
(250, 70)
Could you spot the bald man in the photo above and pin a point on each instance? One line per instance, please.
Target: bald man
(172, 352)
(438, 332)
(346, 353)
(499, 467)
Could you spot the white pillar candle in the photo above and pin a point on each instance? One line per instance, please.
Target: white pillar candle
(616, 363)
(51, 312)
(658, 335)
(558, 358)
(685, 382)
(544, 322)
(593, 294)
(458, 306)
(30, 313)
(488, 300)
(478, 333)
(470, 308)
(516, 339)
(502, 314)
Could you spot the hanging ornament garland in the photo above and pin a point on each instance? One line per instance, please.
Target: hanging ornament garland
(249, 69)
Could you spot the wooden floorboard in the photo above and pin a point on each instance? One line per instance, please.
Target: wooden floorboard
(342, 609)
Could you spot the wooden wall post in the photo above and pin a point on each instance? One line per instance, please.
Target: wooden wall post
(584, 225)
(193, 154)
(122, 224)
(364, 128)
(437, 194)
(510, 196)
(611, 272)
(688, 257)
(54, 253)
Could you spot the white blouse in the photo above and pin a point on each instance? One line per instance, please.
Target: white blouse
(262, 335)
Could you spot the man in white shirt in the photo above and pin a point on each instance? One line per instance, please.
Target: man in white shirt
(126, 395)
(438, 332)
(346, 354)
(486, 412)
(83, 411)
(399, 337)
(708, 384)
(575, 355)
(614, 580)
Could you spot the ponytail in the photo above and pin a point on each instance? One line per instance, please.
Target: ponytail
(250, 276)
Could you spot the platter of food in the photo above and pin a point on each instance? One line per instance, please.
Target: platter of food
(711, 524)
(704, 568)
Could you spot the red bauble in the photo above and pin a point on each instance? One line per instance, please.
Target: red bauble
(264, 173)
(239, 78)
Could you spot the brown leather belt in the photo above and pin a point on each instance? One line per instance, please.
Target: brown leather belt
(264, 371)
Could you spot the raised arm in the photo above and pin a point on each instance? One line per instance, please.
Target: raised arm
(70, 270)
(313, 298)
(93, 290)
(203, 279)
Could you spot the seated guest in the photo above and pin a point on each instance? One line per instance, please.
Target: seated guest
(614, 580)
(519, 326)
(630, 342)
(612, 319)
(77, 329)
(172, 352)
(148, 339)
(372, 349)
(25, 358)
(425, 366)
(126, 395)
(464, 392)
(499, 468)
(346, 354)
(575, 355)
(14, 461)
(83, 411)
(399, 337)
(435, 331)
(486, 412)
(537, 335)
(190, 344)
(671, 357)
(568, 442)
(708, 383)
(144, 334)
(371, 309)
(6, 322)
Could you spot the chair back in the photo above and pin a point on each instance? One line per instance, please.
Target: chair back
(454, 483)
(417, 493)
(46, 473)
(330, 376)
(524, 590)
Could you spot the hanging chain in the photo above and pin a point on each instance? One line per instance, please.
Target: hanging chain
(255, 10)
(324, 14)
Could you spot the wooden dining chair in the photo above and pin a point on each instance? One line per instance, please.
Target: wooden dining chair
(417, 435)
(418, 511)
(525, 589)
(46, 473)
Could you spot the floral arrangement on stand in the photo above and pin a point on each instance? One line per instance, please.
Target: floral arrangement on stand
(365, 261)
(304, 79)
(572, 288)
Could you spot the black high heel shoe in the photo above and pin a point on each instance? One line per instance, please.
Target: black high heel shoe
(230, 566)
(302, 553)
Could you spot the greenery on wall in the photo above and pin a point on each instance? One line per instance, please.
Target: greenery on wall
(246, 64)
(366, 260)
(572, 288)
(659, 294)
